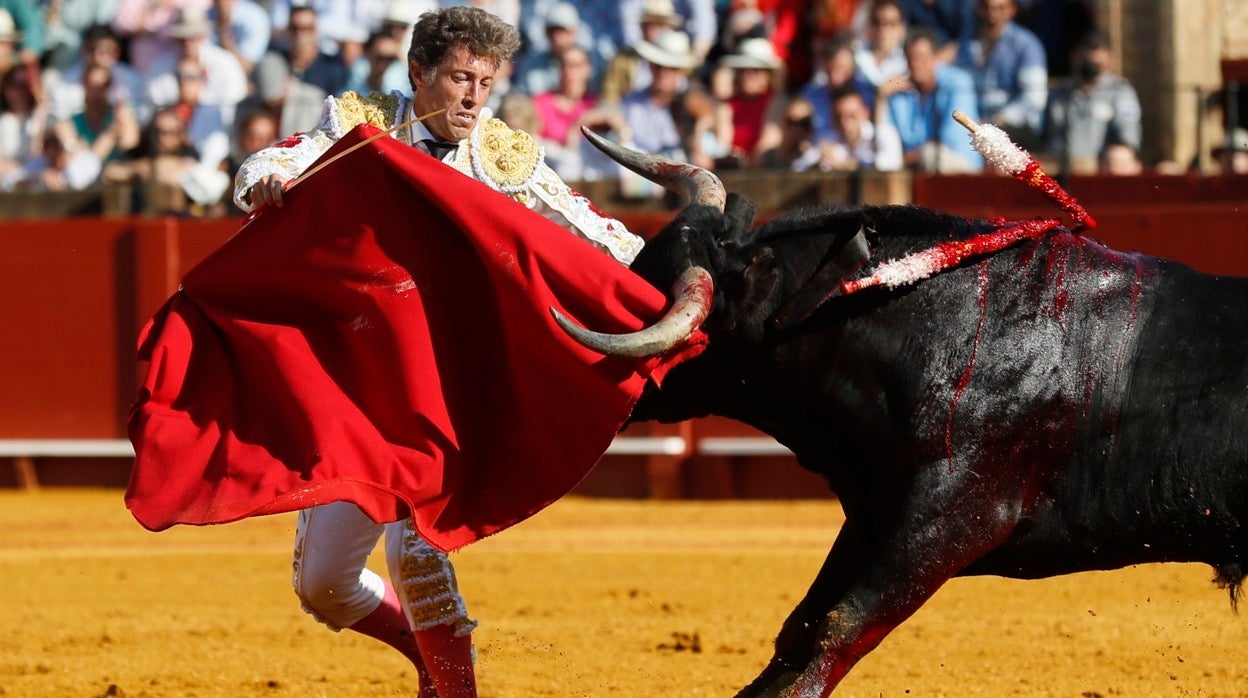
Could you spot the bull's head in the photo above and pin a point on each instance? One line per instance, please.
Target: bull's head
(703, 234)
(712, 237)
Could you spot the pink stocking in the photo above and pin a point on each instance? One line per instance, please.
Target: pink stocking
(388, 624)
(449, 661)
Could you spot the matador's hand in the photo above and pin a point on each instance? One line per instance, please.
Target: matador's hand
(267, 191)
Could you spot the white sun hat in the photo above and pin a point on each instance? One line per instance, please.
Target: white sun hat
(670, 50)
(660, 12)
(8, 28)
(753, 53)
(564, 16)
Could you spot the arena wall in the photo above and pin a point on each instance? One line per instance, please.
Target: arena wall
(77, 290)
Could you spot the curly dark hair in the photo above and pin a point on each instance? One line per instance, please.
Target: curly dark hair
(482, 33)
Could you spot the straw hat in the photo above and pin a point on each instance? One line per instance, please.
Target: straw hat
(670, 50)
(753, 53)
(406, 12)
(563, 15)
(8, 28)
(660, 12)
(192, 22)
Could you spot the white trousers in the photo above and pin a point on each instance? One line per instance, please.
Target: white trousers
(332, 545)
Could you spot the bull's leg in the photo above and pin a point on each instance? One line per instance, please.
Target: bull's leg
(795, 645)
(868, 586)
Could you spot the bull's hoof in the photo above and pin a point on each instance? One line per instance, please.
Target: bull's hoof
(775, 682)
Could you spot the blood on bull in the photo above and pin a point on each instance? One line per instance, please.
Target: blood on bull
(985, 397)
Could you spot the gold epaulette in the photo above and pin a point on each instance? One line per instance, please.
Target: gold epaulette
(378, 109)
(505, 159)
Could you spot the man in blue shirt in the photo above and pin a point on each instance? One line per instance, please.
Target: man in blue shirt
(922, 109)
(1010, 72)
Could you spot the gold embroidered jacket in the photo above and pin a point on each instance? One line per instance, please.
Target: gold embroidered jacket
(508, 161)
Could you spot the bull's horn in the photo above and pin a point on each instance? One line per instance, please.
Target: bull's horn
(699, 185)
(693, 293)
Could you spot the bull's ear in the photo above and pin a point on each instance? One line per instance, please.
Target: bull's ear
(846, 256)
(739, 213)
(757, 284)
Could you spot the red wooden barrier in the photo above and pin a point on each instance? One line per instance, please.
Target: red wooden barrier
(76, 291)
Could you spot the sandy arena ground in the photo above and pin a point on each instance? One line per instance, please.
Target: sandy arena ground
(589, 598)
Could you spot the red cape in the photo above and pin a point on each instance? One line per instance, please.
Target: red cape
(384, 338)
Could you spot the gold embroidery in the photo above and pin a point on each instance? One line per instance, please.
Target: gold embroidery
(503, 157)
(377, 109)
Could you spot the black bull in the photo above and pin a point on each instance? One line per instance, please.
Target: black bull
(1054, 407)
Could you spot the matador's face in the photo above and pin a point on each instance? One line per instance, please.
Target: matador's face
(460, 84)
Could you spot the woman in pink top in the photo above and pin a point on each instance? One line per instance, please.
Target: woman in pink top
(562, 112)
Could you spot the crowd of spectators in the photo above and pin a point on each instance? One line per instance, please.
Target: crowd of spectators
(180, 91)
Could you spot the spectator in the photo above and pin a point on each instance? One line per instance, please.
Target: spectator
(164, 155)
(1090, 109)
(837, 73)
(859, 143)
(1059, 24)
(22, 121)
(797, 150)
(381, 68)
(106, 126)
(880, 57)
(9, 38)
(225, 82)
(253, 133)
(799, 24)
(144, 26)
(101, 46)
(1231, 155)
(336, 20)
(538, 71)
(67, 23)
(600, 31)
(706, 126)
(756, 102)
(741, 23)
(241, 27)
(294, 104)
(921, 109)
(648, 113)
(345, 25)
(833, 18)
(204, 124)
(56, 168)
(1008, 66)
(1121, 160)
(696, 17)
(307, 61)
(627, 70)
(517, 110)
(26, 22)
(401, 15)
(562, 112)
(951, 21)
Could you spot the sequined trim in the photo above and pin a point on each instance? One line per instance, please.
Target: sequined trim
(426, 582)
(288, 161)
(605, 232)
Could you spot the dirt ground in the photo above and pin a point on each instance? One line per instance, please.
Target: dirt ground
(589, 598)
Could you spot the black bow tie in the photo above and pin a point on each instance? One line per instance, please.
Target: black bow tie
(439, 149)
